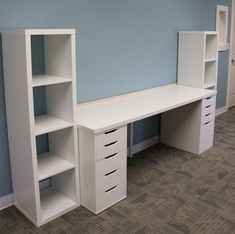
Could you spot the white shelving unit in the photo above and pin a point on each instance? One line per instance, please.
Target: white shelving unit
(198, 59)
(59, 162)
(197, 67)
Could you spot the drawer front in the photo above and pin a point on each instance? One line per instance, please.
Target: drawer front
(109, 150)
(110, 136)
(209, 101)
(111, 163)
(110, 189)
(207, 136)
(207, 109)
(109, 181)
(208, 117)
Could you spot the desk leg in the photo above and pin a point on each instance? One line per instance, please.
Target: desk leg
(130, 130)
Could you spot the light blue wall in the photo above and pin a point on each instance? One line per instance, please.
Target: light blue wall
(122, 46)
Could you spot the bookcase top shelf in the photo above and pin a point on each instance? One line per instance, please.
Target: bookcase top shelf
(39, 31)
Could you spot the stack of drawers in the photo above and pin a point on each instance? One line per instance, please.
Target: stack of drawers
(207, 123)
(103, 168)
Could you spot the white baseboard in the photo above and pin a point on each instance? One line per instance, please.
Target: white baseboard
(6, 201)
(221, 110)
(145, 144)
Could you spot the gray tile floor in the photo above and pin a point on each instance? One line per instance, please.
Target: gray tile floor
(169, 191)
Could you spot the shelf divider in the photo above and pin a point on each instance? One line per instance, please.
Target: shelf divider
(41, 80)
(47, 123)
(50, 164)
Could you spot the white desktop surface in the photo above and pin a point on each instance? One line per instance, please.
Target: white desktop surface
(103, 116)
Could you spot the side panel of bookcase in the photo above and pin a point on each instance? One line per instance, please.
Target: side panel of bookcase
(74, 103)
(19, 105)
(191, 59)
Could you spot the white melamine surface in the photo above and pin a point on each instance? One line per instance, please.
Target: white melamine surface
(197, 50)
(46, 123)
(50, 164)
(39, 31)
(107, 115)
(41, 80)
(54, 203)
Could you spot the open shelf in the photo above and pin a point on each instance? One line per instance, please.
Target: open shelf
(41, 80)
(50, 164)
(211, 47)
(53, 107)
(54, 203)
(55, 152)
(59, 197)
(46, 123)
(51, 55)
(210, 74)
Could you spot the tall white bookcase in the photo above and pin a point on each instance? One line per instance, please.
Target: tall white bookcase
(58, 164)
(197, 67)
(198, 59)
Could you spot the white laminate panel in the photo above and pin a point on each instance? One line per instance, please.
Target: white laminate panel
(41, 80)
(207, 136)
(111, 163)
(103, 116)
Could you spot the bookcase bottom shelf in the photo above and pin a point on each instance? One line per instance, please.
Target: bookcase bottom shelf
(54, 204)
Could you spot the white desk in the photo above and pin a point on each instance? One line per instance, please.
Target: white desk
(103, 116)
(187, 123)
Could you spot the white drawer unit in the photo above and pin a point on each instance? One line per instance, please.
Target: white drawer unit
(103, 163)
(207, 135)
(196, 121)
(207, 123)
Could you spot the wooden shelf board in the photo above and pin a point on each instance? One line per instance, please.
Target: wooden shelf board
(53, 204)
(46, 123)
(41, 80)
(50, 164)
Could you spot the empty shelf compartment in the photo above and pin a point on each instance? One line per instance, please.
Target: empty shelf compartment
(55, 153)
(60, 197)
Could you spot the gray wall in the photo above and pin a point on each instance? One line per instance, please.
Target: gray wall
(122, 46)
